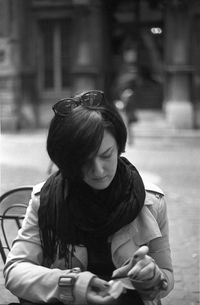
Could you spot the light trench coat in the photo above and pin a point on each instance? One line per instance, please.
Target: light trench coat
(29, 277)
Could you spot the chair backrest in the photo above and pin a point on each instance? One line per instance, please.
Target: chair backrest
(13, 205)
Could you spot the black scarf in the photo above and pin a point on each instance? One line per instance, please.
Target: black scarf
(82, 216)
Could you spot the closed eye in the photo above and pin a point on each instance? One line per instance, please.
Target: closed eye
(107, 153)
(107, 156)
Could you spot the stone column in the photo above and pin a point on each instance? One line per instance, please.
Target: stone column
(87, 45)
(178, 105)
(7, 69)
(26, 100)
(16, 73)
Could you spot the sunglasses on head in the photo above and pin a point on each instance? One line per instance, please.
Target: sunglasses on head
(90, 98)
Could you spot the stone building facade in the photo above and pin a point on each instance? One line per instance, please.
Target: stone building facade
(53, 49)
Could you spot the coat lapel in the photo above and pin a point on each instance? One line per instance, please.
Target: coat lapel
(145, 227)
(139, 232)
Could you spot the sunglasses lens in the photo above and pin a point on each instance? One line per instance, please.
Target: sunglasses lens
(92, 98)
(62, 107)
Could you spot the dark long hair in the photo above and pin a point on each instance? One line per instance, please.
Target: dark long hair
(74, 139)
(70, 212)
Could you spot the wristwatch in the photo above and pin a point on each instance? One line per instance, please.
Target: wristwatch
(66, 285)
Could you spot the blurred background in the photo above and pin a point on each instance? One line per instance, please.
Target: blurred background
(53, 49)
(145, 55)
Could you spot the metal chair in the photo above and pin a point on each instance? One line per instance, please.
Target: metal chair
(13, 205)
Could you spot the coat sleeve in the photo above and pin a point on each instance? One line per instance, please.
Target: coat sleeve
(159, 248)
(25, 275)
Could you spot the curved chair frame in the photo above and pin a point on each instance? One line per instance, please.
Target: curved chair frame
(5, 214)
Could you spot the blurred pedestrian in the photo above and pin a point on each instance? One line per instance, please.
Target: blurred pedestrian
(127, 97)
(81, 239)
(124, 87)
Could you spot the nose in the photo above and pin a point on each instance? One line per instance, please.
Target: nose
(98, 167)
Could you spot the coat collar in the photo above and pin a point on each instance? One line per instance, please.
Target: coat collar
(140, 231)
(145, 227)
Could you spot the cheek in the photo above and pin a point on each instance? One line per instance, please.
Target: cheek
(113, 164)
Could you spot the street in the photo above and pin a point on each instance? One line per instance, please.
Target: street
(171, 163)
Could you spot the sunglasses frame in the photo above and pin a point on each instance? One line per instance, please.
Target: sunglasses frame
(85, 99)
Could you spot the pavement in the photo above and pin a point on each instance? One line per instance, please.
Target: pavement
(168, 158)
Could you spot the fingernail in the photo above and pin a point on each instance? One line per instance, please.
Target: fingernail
(135, 277)
(164, 284)
(131, 274)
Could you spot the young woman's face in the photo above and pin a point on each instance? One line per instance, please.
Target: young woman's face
(101, 170)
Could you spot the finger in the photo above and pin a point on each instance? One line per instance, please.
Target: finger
(140, 253)
(94, 298)
(140, 265)
(122, 271)
(147, 272)
(99, 283)
(143, 262)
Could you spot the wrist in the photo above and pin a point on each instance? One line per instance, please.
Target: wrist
(157, 282)
(73, 286)
(81, 286)
(66, 285)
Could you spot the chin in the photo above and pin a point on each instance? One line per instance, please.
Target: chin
(100, 185)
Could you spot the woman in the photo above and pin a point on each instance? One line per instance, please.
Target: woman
(85, 225)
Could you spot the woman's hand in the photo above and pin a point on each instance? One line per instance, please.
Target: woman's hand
(144, 274)
(144, 268)
(141, 267)
(98, 292)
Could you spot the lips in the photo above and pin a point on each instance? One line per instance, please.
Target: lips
(100, 179)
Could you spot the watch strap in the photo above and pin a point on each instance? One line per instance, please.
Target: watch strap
(66, 285)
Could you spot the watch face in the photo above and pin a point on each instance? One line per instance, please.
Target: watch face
(66, 285)
(66, 281)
